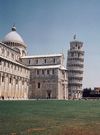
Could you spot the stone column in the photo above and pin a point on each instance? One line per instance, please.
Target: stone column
(2, 84)
(6, 83)
(20, 85)
(10, 88)
(23, 87)
(12, 84)
(16, 87)
(18, 91)
(26, 89)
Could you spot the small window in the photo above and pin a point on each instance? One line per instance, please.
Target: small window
(45, 61)
(29, 61)
(10, 80)
(48, 72)
(38, 85)
(23, 53)
(78, 54)
(43, 72)
(36, 61)
(78, 47)
(37, 72)
(2, 78)
(54, 60)
(16, 81)
(0, 61)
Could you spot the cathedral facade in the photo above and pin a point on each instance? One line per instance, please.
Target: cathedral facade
(30, 77)
(14, 75)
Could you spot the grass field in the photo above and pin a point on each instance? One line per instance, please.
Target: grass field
(50, 117)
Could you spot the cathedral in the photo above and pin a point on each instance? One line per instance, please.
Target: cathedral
(39, 76)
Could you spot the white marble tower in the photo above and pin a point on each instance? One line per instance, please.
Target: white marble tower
(75, 64)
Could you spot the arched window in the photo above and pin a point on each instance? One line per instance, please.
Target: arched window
(48, 72)
(29, 61)
(45, 61)
(10, 80)
(0, 61)
(42, 71)
(37, 72)
(36, 61)
(38, 84)
(2, 78)
(23, 53)
(54, 60)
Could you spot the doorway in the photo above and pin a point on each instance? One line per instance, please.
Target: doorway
(48, 94)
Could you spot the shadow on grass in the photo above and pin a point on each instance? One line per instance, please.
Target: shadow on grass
(61, 130)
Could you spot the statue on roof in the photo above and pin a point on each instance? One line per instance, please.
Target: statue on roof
(74, 37)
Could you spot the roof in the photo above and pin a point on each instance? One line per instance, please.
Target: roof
(13, 61)
(13, 49)
(42, 56)
(48, 67)
(13, 36)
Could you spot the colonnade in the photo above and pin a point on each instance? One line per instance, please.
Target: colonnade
(13, 87)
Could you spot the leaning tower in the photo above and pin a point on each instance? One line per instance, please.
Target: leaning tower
(75, 64)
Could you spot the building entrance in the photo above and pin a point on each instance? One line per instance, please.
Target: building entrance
(48, 94)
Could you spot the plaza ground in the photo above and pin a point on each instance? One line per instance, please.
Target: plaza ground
(50, 117)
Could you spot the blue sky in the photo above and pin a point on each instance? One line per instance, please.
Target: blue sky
(47, 26)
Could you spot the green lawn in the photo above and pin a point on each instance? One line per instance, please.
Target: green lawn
(50, 117)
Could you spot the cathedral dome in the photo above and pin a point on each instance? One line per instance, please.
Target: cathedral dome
(13, 37)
